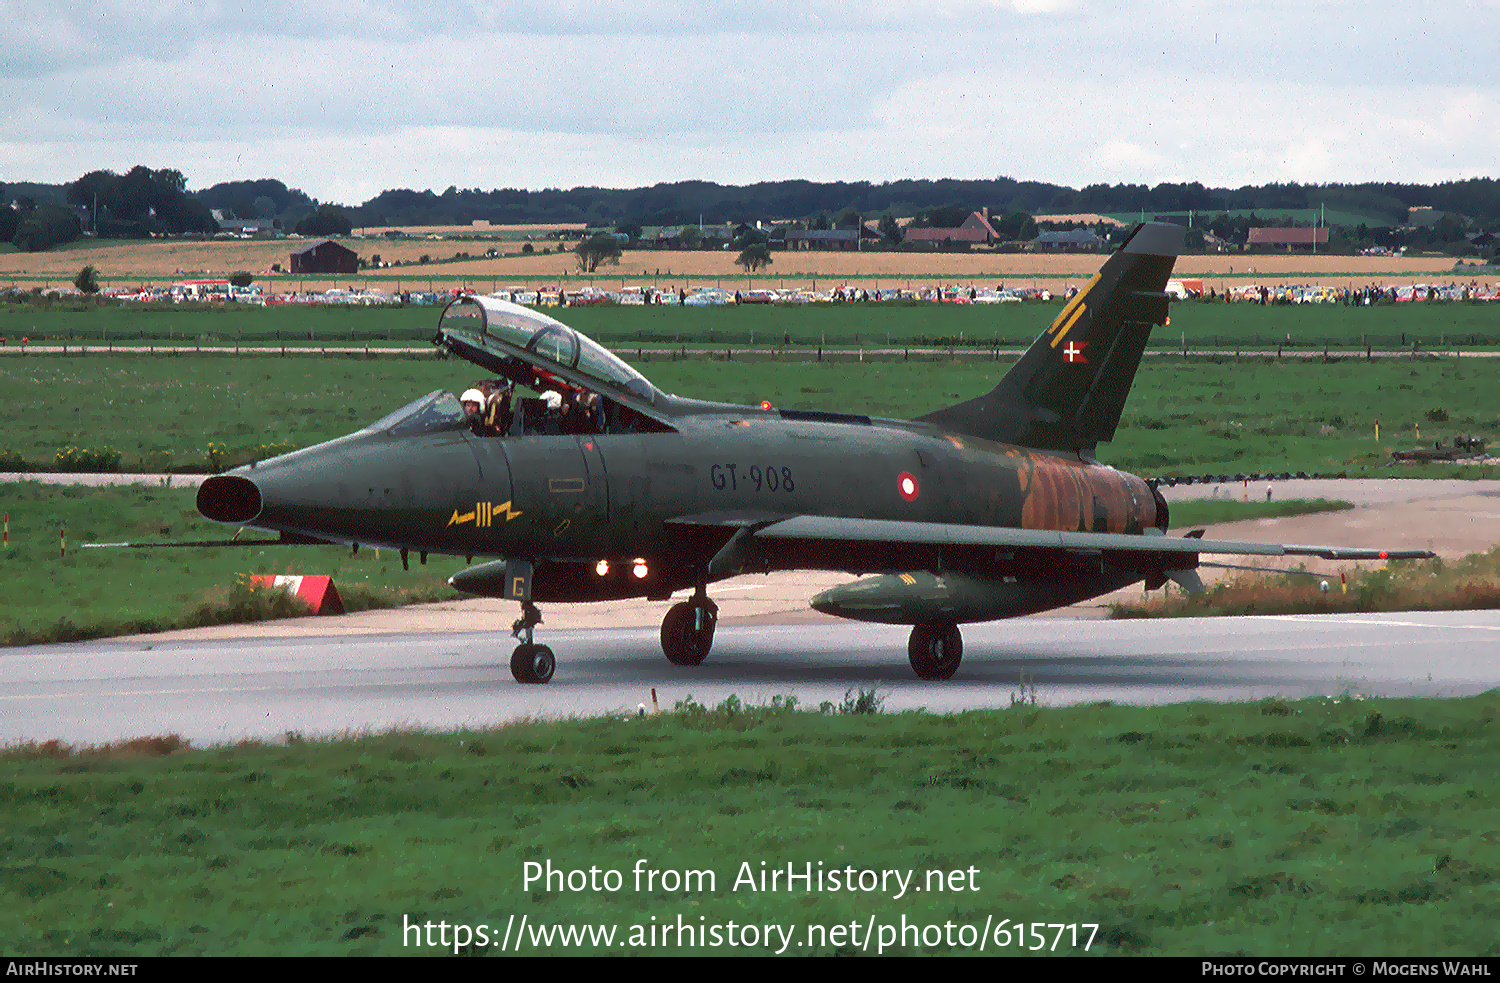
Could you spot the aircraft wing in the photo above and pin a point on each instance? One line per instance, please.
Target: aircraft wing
(888, 532)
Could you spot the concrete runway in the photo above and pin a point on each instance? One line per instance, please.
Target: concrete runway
(219, 690)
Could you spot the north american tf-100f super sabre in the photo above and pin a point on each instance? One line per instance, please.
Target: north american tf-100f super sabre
(610, 488)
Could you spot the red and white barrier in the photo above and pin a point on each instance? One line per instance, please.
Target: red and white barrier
(317, 591)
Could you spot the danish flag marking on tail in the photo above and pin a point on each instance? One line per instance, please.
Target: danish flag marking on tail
(1073, 351)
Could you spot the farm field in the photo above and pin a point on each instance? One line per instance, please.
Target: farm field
(129, 262)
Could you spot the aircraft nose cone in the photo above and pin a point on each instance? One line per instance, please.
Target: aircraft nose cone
(229, 498)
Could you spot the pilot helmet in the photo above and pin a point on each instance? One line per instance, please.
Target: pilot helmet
(472, 396)
(554, 399)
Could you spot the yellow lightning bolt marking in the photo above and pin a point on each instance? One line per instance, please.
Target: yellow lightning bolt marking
(484, 514)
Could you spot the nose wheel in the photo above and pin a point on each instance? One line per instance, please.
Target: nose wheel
(935, 650)
(530, 663)
(687, 632)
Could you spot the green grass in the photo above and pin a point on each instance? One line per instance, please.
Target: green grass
(806, 326)
(1210, 511)
(1319, 827)
(91, 593)
(1183, 417)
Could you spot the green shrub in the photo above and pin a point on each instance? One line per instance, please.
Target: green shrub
(93, 459)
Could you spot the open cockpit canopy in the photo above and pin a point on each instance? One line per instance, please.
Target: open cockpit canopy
(495, 333)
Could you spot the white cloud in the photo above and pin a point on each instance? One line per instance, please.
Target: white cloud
(351, 95)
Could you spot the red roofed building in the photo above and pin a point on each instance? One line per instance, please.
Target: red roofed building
(1290, 238)
(976, 230)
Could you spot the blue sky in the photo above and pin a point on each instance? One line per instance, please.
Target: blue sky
(346, 98)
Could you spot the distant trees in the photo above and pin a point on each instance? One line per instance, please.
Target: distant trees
(1016, 225)
(45, 226)
(601, 248)
(328, 220)
(890, 231)
(754, 257)
(944, 217)
(8, 218)
(269, 197)
(87, 280)
(139, 203)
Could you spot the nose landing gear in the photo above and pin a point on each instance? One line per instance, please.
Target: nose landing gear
(530, 663)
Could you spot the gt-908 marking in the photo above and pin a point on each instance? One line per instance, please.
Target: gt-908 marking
(770, 478)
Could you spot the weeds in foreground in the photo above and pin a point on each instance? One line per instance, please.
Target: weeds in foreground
(1432, 585)
(865, 702)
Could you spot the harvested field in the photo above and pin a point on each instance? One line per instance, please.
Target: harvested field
(127, 263)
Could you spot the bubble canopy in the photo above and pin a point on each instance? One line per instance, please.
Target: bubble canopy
(511, 329)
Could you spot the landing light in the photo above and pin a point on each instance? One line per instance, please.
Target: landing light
(765, 404)
(602, 568)
(640, 569)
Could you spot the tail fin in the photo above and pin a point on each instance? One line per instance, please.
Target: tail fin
(1066, 393)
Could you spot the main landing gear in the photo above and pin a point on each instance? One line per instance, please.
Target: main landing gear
(687, 632)
(935, 649)
(530, 663)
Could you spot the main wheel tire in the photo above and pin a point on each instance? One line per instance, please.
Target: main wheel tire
(935, 650)
(684, 644)
(532, 664)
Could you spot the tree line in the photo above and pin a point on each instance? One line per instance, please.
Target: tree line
(146, 201)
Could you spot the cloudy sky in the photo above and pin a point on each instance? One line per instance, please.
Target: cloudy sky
(346, 98)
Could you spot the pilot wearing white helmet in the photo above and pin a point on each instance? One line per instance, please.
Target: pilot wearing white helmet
(473, 403)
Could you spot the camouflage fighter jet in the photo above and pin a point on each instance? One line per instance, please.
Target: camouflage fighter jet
(992, 508)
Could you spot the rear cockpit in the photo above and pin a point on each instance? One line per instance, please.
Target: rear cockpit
(579, 386)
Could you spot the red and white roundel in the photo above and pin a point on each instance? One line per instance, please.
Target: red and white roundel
(906, 484)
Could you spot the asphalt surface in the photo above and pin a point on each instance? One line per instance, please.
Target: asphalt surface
(215, 691)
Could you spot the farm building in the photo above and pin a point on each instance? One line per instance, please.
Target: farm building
(1070, 240)
(823, 239)
(976, 230)
(1311, 238)
(325, 256)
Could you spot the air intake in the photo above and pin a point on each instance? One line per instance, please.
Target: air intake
(229, 498)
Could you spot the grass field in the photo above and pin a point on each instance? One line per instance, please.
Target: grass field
(90, 593)
(1183, 416)
(1321, 827)
(1210, 511)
